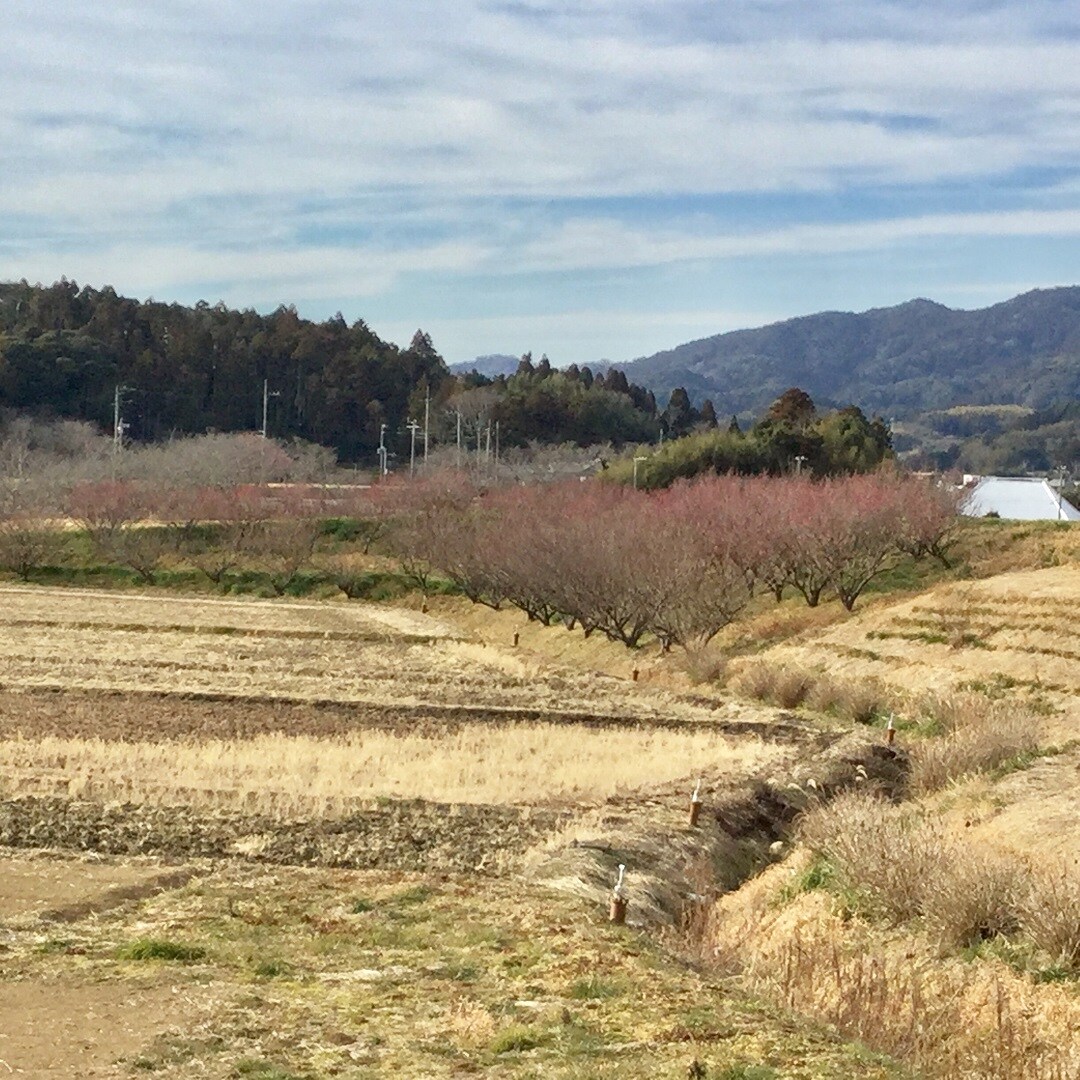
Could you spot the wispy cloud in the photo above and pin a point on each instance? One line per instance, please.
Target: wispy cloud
(341, 153)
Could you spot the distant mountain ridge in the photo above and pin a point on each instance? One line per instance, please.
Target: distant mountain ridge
(895, 361)
(492, 365)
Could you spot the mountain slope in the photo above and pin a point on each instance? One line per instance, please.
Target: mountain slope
(896, 361)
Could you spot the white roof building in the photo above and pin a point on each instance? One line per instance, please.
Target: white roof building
(1018, 498)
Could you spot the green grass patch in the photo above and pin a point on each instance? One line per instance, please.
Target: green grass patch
(258, 1069)
(515, 1038)
(819, 874)
(273, 969)
(160, 949)
(748, 1072)
(594, 989)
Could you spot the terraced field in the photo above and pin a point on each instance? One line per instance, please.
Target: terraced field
(301, 710)
(1010, 633)
(291, 840)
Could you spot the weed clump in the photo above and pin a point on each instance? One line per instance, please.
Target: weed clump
(976, 736)
(145, 949)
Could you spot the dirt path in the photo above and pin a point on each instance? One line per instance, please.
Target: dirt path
(70, 1028)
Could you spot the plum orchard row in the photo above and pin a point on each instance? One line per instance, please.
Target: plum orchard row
(677, 564)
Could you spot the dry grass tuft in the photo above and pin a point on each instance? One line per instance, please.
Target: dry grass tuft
(900, 864)
(469, 1024)
(861, 701)
(1049, 914)
(949, 1020)
(881, 855)
(788, 686)
(776, 684)
(977, 736)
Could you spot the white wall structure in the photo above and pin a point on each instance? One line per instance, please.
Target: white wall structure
(1019, 499)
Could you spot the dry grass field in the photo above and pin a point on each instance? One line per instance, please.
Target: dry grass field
(214, 778)
(1012, 633)
(312, 709)
(237, 739)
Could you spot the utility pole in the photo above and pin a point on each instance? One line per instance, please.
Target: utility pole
(382, 450)
(487, 453)
(267, 395)
(1061, 474)
(496, 447)
(427, 417)
(459, 438)
(413, 427)
(118, 424)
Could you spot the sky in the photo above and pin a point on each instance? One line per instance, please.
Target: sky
(589, 179)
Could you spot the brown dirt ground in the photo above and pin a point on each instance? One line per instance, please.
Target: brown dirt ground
(68, 1023)
(32, 884)
(67, 1027)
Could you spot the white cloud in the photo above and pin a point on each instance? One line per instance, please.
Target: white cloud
(161, 146)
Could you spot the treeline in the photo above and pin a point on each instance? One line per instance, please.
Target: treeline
(677, 564)
(792, 437)
(76, 353)
(64, 351)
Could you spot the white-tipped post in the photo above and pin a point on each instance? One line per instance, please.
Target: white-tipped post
(695, 805)
(617, 913)
(890, 731)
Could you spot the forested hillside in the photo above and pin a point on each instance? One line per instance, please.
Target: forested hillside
(64, 351)
(897, 361)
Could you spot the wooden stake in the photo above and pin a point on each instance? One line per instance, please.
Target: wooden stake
(890, 731)
(695, 806)
(634, 674)
(617, 911)
(517, 637)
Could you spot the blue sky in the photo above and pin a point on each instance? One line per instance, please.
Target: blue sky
(590, 179)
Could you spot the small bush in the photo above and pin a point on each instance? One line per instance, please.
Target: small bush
(516, 1037)
(158, 949)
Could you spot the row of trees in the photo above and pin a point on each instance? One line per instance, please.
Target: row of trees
(76, 353)
(678, 564)
(64, 351)
(792, 437)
